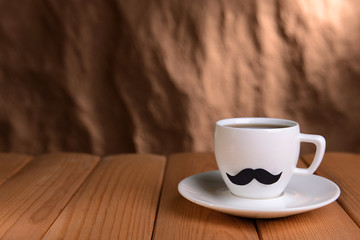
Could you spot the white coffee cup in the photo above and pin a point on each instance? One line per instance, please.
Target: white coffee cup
(265, 148)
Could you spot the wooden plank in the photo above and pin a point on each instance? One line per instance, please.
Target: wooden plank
(11, 163)
(118, 201)
(329, 222)
(179, 218)
(34, 197)
(343, 169)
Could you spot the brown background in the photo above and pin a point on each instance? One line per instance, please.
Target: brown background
(154, 76)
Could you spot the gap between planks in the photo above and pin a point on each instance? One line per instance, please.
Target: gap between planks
(12, 163)
(33, 197)
(342, 168)
(116, 202)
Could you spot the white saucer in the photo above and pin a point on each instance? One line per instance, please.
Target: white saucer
(304, 193)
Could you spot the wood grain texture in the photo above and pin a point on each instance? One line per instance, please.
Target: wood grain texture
(343, 169)
(118, 201)
(330, 222)
(179, 218)
(79, 196)
(11, 163)
(33, 198)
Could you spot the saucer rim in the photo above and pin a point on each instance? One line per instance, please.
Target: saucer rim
(245, 210)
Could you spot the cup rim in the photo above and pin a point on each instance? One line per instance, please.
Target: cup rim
(257, 120)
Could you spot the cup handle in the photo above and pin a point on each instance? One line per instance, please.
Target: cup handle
(320, 144)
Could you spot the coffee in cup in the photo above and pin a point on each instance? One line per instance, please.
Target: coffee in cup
(257, 156)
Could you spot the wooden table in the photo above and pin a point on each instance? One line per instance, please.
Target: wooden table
(134, 196)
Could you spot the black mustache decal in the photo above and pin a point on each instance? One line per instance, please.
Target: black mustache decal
(247, 175)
